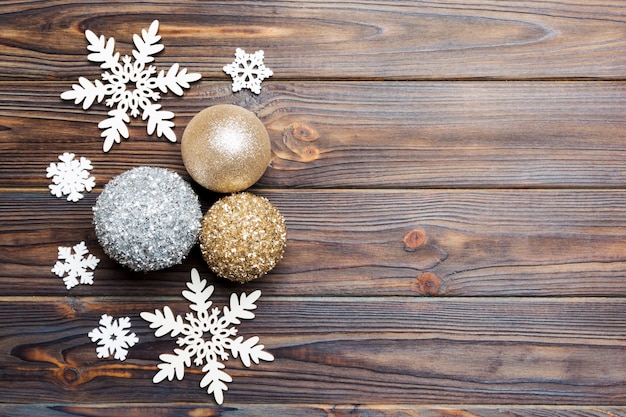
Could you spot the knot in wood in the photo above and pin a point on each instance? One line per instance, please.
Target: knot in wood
(428, 284)
(414, 239)
(303, 132)
(70, 375)
(309, 153)
(298, 137)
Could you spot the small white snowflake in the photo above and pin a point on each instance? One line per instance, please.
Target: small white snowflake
(70, 177)
(75, 265)
(141, 99)
(205, 337)
(112, 337)
(248, 70)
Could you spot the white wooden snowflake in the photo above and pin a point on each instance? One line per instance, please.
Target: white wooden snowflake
(206, 337)
(123, 98)
(248, 70)
(112, 337)
(73, 267)
(70, 177)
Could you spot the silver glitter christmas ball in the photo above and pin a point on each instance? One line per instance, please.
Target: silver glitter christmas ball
(147, 218)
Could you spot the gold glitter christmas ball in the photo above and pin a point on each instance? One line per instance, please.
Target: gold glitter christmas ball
(242, 237)
(226, 148)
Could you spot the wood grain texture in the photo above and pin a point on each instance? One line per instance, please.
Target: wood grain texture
(333, 40)
(475, 242)
(453, 178)
(315, 410)
(347, 135)
(335, 350)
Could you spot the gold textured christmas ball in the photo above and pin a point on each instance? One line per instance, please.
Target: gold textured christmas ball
(242, 237)
(226, 148)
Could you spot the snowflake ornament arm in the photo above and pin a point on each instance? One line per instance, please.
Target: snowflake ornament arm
(112, 337)
(102, 50)
(147, 45)
(198, 293)
(215, 380)
(118, 74)
(204, 336)
(70, 177)
(248, 70)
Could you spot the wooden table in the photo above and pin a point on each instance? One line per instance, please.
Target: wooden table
(453, 178)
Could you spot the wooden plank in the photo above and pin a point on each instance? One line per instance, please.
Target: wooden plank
(334, 351)
(422, 242)
(453, 179)
(329, 39)
(313, 410)
(365, 135)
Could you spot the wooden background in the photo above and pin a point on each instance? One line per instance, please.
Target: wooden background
(452, 174)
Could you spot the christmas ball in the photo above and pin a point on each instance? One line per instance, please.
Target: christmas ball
(147, 218)
(226, 148)
(242, 237)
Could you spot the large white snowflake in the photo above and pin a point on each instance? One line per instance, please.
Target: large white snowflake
(248, 70)
(112, 337)
(70, 177)
(138, 100)
(206, 337)
(75, 265)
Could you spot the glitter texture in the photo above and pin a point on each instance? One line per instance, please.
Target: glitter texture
(147, 218)
(243, 236)
(226, 148)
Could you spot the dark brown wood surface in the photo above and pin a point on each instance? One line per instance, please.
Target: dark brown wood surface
(332, 39)
(362, 243)
(452, 175)
(438, 350)
(362, 134)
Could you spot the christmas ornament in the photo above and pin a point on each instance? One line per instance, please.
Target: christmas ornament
(74, 267)
(70, 177)
(147, 83)
(206, 337)
(147, 218)
(226, 148)
(112, 337)
(243, 236)
(248, 70)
